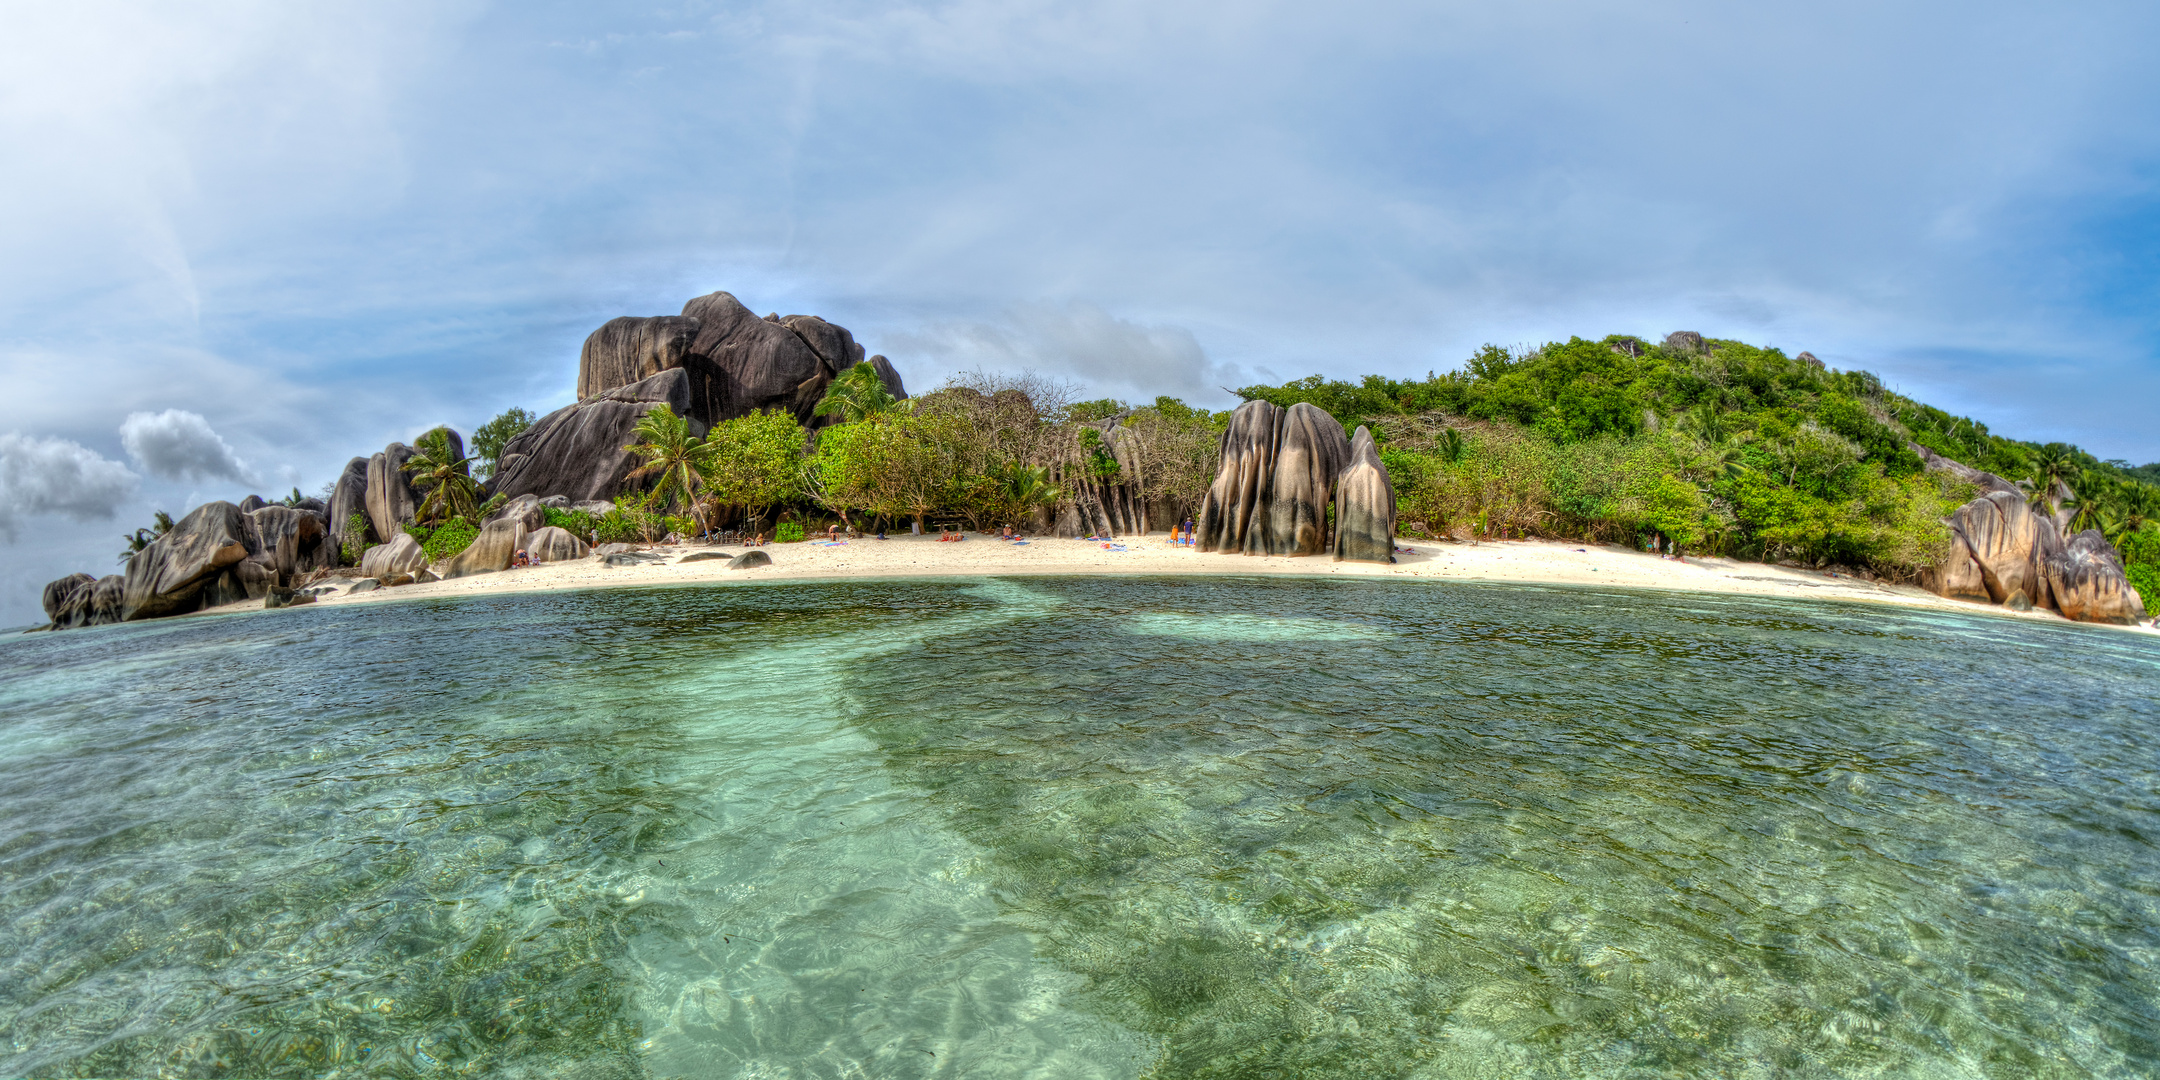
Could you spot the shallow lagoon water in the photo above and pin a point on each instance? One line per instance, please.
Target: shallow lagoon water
(1082, 827)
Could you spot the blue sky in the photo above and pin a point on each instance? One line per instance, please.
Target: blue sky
(319, 230)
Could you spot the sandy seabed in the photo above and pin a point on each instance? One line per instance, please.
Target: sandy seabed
(903, 556)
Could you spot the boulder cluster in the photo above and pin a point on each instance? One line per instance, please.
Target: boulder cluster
(2002, 551)
(716, 361)
(1277, 473)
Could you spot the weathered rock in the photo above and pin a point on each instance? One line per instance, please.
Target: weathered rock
(833, 344)
(704, 556)
(1235, 513)
(167, 577)
(347, 499)
(1364, 505)
(251, 504)
(107, 600)
(1685, 341)
(58, 594)
(315, 506)
(492, 550)
(595, 507)
(552, 544)
(749, 559)
(288, 542)
(1958, 576)
(631, 349)
(612, 549)
(391, 500)
(527, 510)
(279, 597)
(366, 584)
(2086, 581)
(1309, 456)
(577, 451)
(762, 365)
(2010, 544)
(401, 555)
(396, 581)
(889, 377)
(1809, 359)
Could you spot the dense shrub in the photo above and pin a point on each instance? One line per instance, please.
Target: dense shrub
(788, 532)
(445, 540)
(356, 543)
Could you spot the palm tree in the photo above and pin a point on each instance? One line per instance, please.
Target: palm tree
(444, 479)
(679, 459)
(855, 394)
(1028, 486)
(141, 538)
(2054, 465)
(2135, 509)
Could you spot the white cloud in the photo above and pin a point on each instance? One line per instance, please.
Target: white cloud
(41, 476)
(1107, 355)
(180, 445)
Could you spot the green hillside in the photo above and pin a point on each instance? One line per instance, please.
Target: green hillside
(1726, 448)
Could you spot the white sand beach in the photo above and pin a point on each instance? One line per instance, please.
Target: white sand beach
(1527, 561)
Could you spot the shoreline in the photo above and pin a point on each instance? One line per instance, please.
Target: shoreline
(1528, 562)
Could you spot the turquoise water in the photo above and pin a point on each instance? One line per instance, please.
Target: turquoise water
(1079, 828)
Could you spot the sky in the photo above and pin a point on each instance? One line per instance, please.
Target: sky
(243, 242)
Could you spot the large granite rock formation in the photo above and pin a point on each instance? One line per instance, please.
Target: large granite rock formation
(2086, 582)
(1235, 513)
(289, 541)
(716, 361)
(577, 451)
(59, 594)
(391, 498)
(632, 349)
(1986, 481)
(169, 576)
(401, 555)
(554, 544)
(1309, 456)
(764, 364)
(2010, 543)
(349, 497)
(1364, 505)
(1958, 576)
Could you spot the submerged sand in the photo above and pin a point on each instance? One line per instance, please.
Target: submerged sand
(1525, 561)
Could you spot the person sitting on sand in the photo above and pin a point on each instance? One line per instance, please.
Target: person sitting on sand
(832, 532)
(881, 532)
(521, 559)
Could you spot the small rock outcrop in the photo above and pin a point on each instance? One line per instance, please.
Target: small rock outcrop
(749, 559)
(62, 592)
(401, 555)
(553, 544)
(1364, 505)
(1686, 341)
(889, 377)
(492, 550)
(2086, 582)
(170, 575)
(251, 504)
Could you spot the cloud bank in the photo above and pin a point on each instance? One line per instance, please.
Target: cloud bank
(179, 445)
(44, 476)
